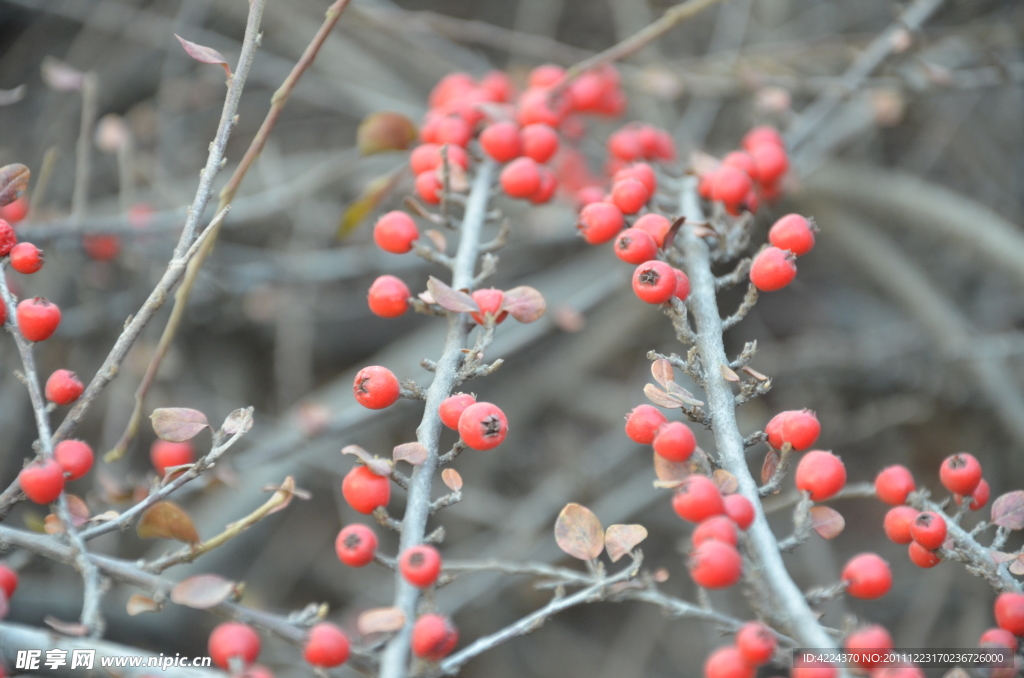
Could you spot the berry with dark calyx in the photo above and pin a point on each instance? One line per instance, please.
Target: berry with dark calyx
(233, 640)
(395, 232)
(8, 581)
(1009, 612)
(739, 509)
(37, 318)
(675, 442)
(654, 282)
(388, 297)
(793, 232)
(991, 638)
(599, 222)
(433, 637)
(893, 484)
(326, 646)
(483, 426)
(489, 301)
(501, 141)
(643, 422)
(420, 565)
(929, 530)
(42, 481)
(63, 387)
(682, 285)
(715, 565)
(656, 225)
(870, 640)
(730, 185)
(772, 269)
(979, 497)
(716, 527)
(799, 428)
(164, 455)
(820, 473)
(756, 643)
(74, 456)
(364, 490)
(376, 387)
(356, 545)
(539, 141)
(520, 178)
(728, 662)
(897, 524)
(8, 238)
(635, 246)
(921, 556)
(697, 499)
(960, 473)
(26, 258)
(867, 576)
(452, 407)
(629, 195)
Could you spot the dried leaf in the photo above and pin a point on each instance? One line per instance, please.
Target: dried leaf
(524, 303)
(13, 182)
(621, 539)
(1017, 566)
(667, 484)
(660, 398)
(381, 620)
(451, 478)
(202, 591)
(138, 604)
(827, 522)
(381, 467)
(671, 235)
(662, 371)
(178, 424)
(679, 393)
(727, 482)
(437, 237)
(373, 194)
(728, 374)
(660, 575)
(67, 628)
(287, 491)
(754, 373)
(426, 297)
(578, 532)
(60, 76)
(239, 421)
(105, 517)
(415, 453)
(12, 96)
(77, 510)
(289, 486)
(1008, 510)
(770, 466)
(204, 55)
(1000, 557)
(385, 131)
(167, 520)
(669, 471)
(452, 300)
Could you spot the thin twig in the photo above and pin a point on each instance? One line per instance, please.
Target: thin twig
(83, 148)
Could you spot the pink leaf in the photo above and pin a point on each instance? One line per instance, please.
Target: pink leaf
(827, 522)
(178, 424)
(578, 532)
(449, 299)
(1008, 510)
(620, 539)
(415, 453)
(205, 55)
(524, 303)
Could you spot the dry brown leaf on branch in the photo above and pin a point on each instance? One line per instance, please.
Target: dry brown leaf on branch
(452, 479)
(621, 539)
(203, 54)
(578, 532)
(202, 591)
(381, 620)
(178, 424)
(167, 520)
(1008, 510)
(827, 522)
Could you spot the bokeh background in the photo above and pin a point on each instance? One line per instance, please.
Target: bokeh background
(903, 330)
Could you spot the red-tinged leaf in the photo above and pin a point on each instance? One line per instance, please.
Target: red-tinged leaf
(524, 303)
(202, 591)
(381, 467)
(178, 424)
(621, 539)
(728, 374)
(827, 522)
(138, 604)
(660, 398)
(385, 131)
(438, 239)
(1017, 566)
(60, 76)
(105, 517)
(1000, 557)
(167, 520)
(770, 466)
(727, 482)
(449, 299)
(671, 471)
(238, 422)
(578, 532)
(426, 297)
(754, 373)
(13, 182)
(662, 372)
(1008, 510)
(52, 525)
(679, 393)
(381, 620)
(204, 55)
(414, 453)
(77, 511)
(451, 478)
(67, 628)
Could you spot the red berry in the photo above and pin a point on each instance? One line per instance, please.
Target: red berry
(489, 301)
(715, 565)
(991, 638)
(429, 187)
(539, 142)
(501, 141)
(730, 185)
(599, 222)
(716, 527)
(929, 530)
(897, 524)
(893, 484)
(326, 646)
(752, 202)
(433, 637)
(74, 457)
(427, 157)
(8, 238)
(979, 497)
(37, 318)
(793, 232)
(770, 163)
(8, 581)
(453, 129)
(589, 195)
(697, 498)
(234, 639)
(452, 407)
(760, 136)
(921, 556)
(739, 509)
(539, 105)
(101, 247)
(521, 178)
(868, 640)
(656, 225)
(545, 75)
(356, 545)
(666, 146)
(756, 643)
(867, 576)
(26, 258)
(741, 160)
(728, 662)
(548, 186)
(63, 387)
(643, 173)
(625, 145)
(586, 91)
(960, 473)
(420, 565)
(164, 454)
(816, 670)
(499, 85)
(629, 195)
(483, 426)
(643, 422)
(449, 88)
(42, 481)
(388, 297)
(364, 490)
(820, 473)
(799, 428)
(635, 246)
(654, 282)
(1009, 612)
(772, 269)
(675, 441)
(395, 232)
(682, 285)
(376, 387)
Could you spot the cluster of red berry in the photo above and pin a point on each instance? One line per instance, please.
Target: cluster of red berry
(234, 647)
(746, 176)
